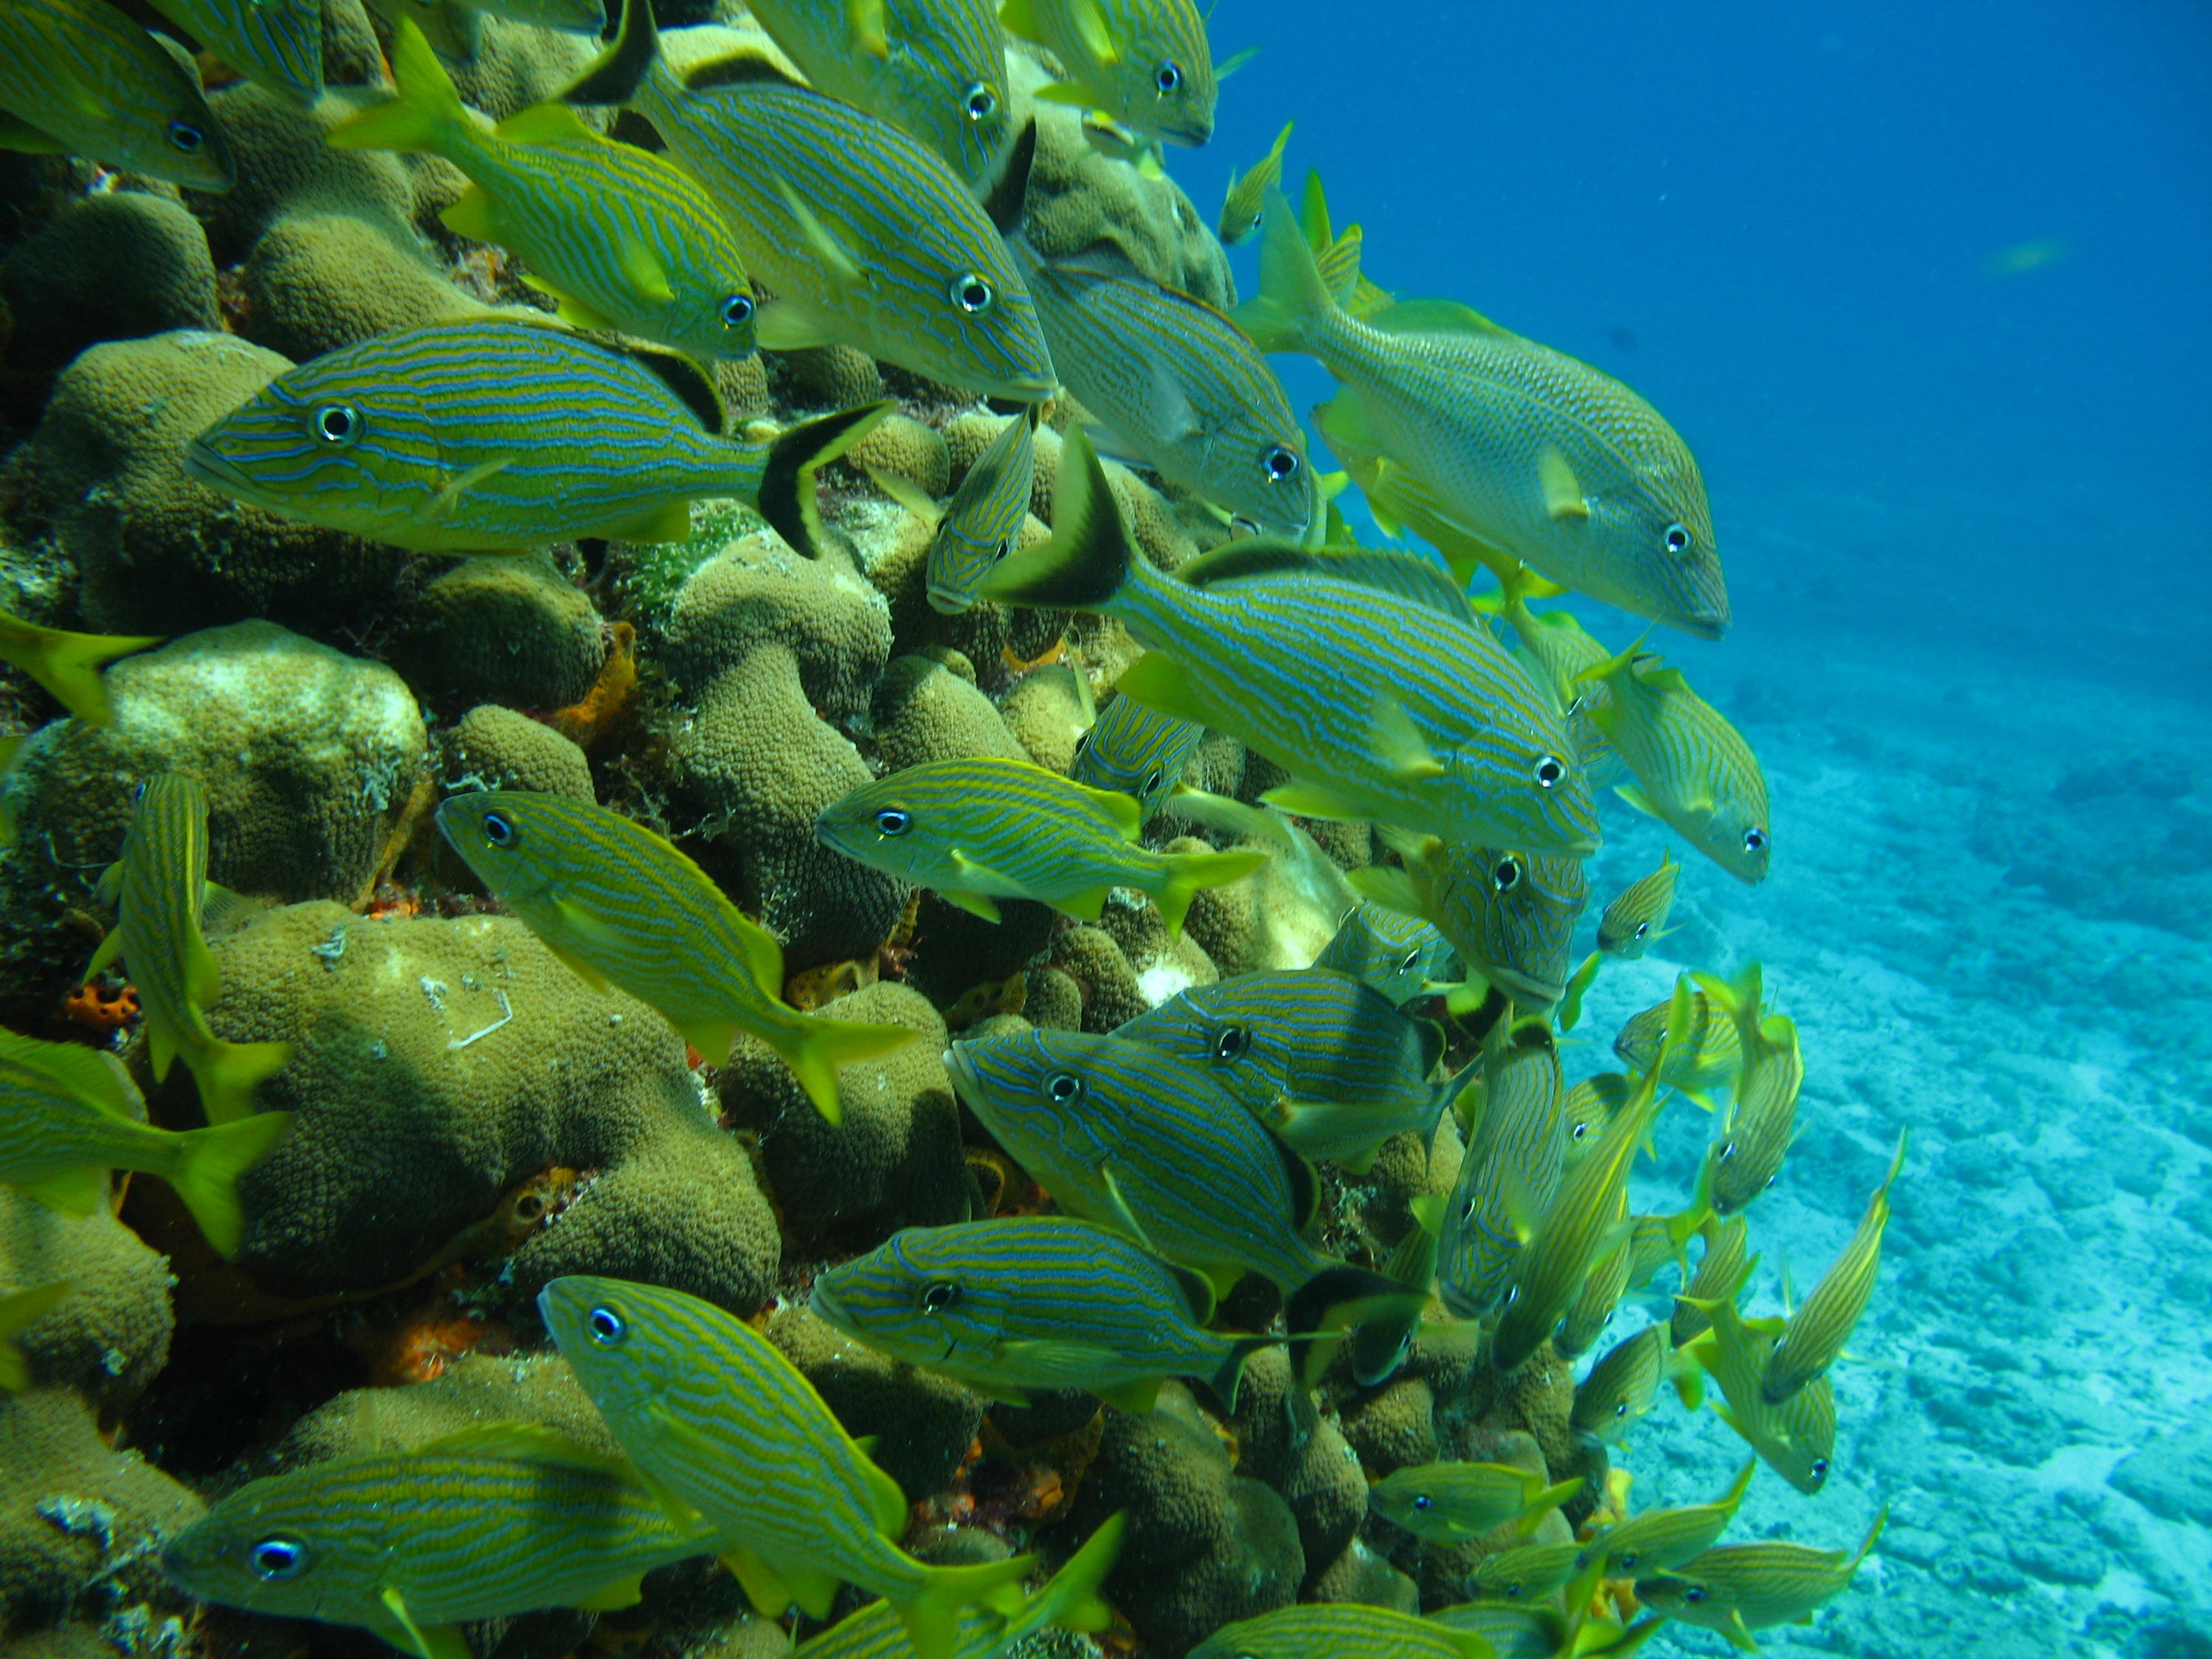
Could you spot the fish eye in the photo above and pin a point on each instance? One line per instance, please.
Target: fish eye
(185, 136)
(1548, 771)
(337, 424)
(1695, 1594)
(1728, 1151)
(1467, 1209)
(1678, 539)
(1580, 1132)
(1642, 928)
(1006, 546)
(1282, 463)
(1413, 961)
(138, 791)
(1512, 1591)
(971, 292)
(1152, 782)
(1621, 1410)
(1232, 1042)
(737, 311)
(1512, 1295)
(275, 1559)
(1063, 1086)
(1422, 1501)
(1820, 1467)
(891, 820)
(1755, 839)
(499, 829)
(606, 1326)
(1507, 875)
(1167, 79)
(979, 103)
(1082, 741)
(937, 1297)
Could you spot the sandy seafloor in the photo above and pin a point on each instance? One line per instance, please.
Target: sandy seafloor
(1990, 916)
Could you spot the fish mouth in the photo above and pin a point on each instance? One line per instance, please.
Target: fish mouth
(948, 602)
(826, 1306)
(965, 1083)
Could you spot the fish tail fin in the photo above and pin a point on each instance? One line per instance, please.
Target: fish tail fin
(1229, 1375)
(210, 1162)
(1867, 1544)
(1070, 1599)
(426, 115)
(614, 76)
(229, 1072)
(814, 1048)
(1191, 873)
(1091, 557)
(68, 664)
(785, 493)
(1542, 1500)
(18, 1312)
(1341, 1299)
(1294, 293)
(931, 1612)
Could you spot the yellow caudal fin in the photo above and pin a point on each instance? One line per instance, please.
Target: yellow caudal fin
(1293, 294)
(1190, 873)
(814, 1048)
(210, 1163)
(931, 1612)
(68, 664)
(229, 1073)
(17, 1313)
(1071, 1600)
(426, 115)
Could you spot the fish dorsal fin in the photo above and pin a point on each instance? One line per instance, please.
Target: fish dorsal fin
(737, 70)
(546, 124)
(1432, 317)
(1398, 574)
(682, 377)
(528, 1442)
(1196, 1291)
(178, 56)
(1009, 198)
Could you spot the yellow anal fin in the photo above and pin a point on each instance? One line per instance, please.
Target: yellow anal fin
(472, 215)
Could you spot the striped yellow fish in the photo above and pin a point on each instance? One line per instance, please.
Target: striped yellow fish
(276, 44)
(498, 436)
(1510, 1173)
(1590, 1106)
(1454, 1503)
(1814, 1336)
(935, 70)
(1362, 675)
(1382, 1344)
(621, 905)
(1510, 915)
(711, 1412)
(1137, 750)
(1147, 63)
(1526, 1573)
(1247, 191)
(983, 521)
(78, 78)
(1741, 1588)
(1181, 390)
(1541, 1631)
(1555, 648)
(624, 239)
(1694, 770)
(1637, 918)
(493, 1520)
(69, 1114)
(1340, 1631)
(1028, 1302)
(1526, 449)
(980, 829)
(1761, 1121)
(18, 1311)
(1703, 1058)
(1592, 1309)
(159, 887)
(1622, 1386)
(1796, 1438)
(1397, 954)
(68, 664)
(1660, 1540)
(1723, 1268)
(863, 235)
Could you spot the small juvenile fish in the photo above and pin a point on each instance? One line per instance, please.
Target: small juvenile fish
(69, 1114)
(1510, 915)
(488, 1523)
(1591, 1105)
(1525, 449)
(865, 237)
(489, 436)
(1510, 1175)
(78, 78)
(1637, 918)
(980, 829)
(1145, 63)
(1384, 1344)
(1723, 1270)
(621, 905)
(68, 664)
(1694, 770)
(1325, 1062)
(1591, 1310)
(1240, 210)
(983, 521)
(1706, 1057)
(158, 888)
(1824, 1321)
(1660, 1541)
(1339, 1629)
(625, 240)
(1527, 1573)
(1796, 1438)
(1398, 954)
(276, 44)
(1740, 1588)
(1761, 1121)
(935, 70)
(18, 1311)
(1622, 1386)
(1454, 1503)
(1182, 389)
(1556, 649)
(1132, 1137)
(1137, 750)
(1028, 1302)
(1364, 675)
(710, 1410)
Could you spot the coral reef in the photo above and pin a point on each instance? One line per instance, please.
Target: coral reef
(156, 276)
(109, 1334)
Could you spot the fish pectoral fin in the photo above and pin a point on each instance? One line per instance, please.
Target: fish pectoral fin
(472, 215)
(448, 498)
(20, 135)
(580, 314)
(783, 324)
(714, 1039)
(438, 1642)
(622, 1593)
(1634, 795)
(223, 911)
(1175, 418)
(843, 262)
(1068, 1365)
(646, 272)
(1163, 685)
(1345, 421)
(1563, 491)
(73, 1192)
(582, 969)
(1118, 1206)
(813, 1589)
(1401, 746)
(1225, 1281)
(975, 904)
(1065, 92)
(763, 1584)
(1312, 800)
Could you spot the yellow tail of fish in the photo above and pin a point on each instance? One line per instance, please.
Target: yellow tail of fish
(210, 1163)
(19, 1310)
(229, 1073)
(1190, 873)
(930, 1611)
(68, 664)
(814, 1048)
(1071, 1600)
(426, 115)
(1294, 293)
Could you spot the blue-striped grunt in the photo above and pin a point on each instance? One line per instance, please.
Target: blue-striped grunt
(1324, 1061)
(863, 235)
(1525, 1573)
(1814, 1338)
(981, 523)
(1453, 1503)
(78, 78)
(1703, 1058)
(69, 1114)
(1382, 1344)
(1364, 675)
(495, 1519)
(18, 1311)
(621, 905)
(1660, 1540)
(1398, 955)
(68, 664)
(1602, 1287)
(935, 70)
(159, 887)
(1247, 191)
(1637, 918)
(1147, 63)
(1755, 1137)
(1555, 648)
(276, 44)
(1510, 915)
(980, 829)
(497, 436)
(1181, 389)
(1028, 1302)
(1518, 1632)
(1138, 751)
(1741, 1588)
(1510, 1172)
(1724, 1267)
(1622, 1386)
(1339, 1629)
(1796, 1438)
(1694, 770)
(711, 1412)
(624, 239)
(1590, 1106)
(1525, 449)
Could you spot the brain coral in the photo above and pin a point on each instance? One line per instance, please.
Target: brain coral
(113, 267)
(110, 1334)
